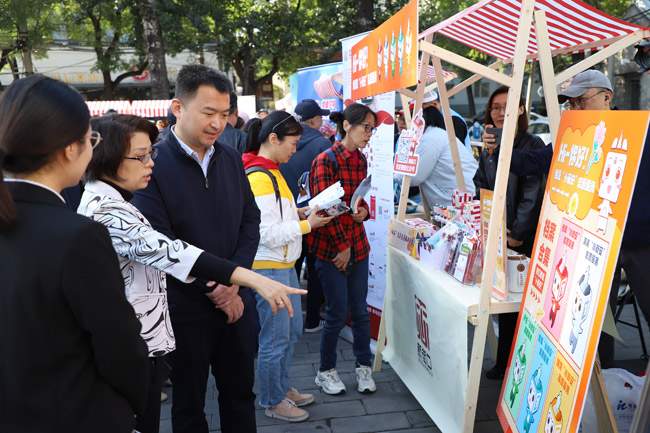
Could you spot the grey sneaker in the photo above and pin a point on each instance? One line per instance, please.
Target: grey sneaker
(330, 382)
(287, 411)
(365, 382)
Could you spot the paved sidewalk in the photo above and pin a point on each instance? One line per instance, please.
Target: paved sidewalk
(392, 408)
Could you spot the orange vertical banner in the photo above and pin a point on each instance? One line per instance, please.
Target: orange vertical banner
(387, 58)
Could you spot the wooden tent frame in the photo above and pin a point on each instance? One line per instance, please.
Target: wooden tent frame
(479, 314)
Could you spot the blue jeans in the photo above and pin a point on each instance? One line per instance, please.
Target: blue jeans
(345, 293)
(278, 335)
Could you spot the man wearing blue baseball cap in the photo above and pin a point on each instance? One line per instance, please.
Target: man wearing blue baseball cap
(311, 143)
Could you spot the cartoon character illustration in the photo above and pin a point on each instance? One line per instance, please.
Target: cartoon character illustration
(581, 304)
(535, 391)
(518, 372)
(386, 55)
(379, 60)
(599, 139)
(408, 43)
(393, 52)
(554, 416)
(611, 183)
(400, 48)
(558, 290)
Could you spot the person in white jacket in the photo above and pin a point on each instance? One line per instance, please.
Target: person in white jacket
(270, 142)
(436, 175)
(122, 164)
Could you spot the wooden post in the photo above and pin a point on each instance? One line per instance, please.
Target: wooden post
(451, 134)
(546, 71)
(606, 422)
(406, 180)
(641, 420)
(498, 207)
(529, 90)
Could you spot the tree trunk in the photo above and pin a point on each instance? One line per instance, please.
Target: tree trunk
(23, 32)
(365, 15)
(160, 88)
(109, 87)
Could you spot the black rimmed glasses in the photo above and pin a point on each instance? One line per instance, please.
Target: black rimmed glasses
(368, 128)
(144, 158)
(95, 139)
(295, 116)
(579, 104)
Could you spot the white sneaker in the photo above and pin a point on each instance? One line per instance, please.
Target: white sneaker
(330, 382)
(365, 382)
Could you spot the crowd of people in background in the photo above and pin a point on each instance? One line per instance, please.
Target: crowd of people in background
(188, 240)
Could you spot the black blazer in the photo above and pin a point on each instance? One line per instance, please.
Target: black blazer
(71, 356)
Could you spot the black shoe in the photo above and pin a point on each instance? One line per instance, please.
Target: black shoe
(495, 373)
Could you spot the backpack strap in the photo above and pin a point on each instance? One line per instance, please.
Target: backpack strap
(274, 181)
(332, 157)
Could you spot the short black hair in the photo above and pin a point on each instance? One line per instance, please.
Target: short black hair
(233, 103)
(116, 131)
(191, 77)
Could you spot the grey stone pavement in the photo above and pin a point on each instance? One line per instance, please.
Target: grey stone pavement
(392, 408)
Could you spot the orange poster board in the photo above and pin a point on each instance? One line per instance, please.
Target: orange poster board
(590, 184)
(499, 287)
(387, 58)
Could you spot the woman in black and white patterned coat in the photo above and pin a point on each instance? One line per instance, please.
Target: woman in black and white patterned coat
(122, 164)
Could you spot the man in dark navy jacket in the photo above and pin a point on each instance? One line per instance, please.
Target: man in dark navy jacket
(592, 90)
(311, 143)
(199, 193)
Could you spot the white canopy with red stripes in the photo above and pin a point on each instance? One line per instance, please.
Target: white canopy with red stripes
(155, 108)
(491, 26)
(98, 108)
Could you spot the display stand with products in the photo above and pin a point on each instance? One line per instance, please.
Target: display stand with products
(527, 30)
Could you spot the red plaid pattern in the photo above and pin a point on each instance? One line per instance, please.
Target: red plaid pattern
(342, 232)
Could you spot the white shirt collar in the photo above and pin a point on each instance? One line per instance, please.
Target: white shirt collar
(208, 152)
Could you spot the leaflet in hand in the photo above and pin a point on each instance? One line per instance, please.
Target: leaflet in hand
(329, 201)
(360, 193)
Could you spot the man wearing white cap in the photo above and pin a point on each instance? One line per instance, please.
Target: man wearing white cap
(430, 99)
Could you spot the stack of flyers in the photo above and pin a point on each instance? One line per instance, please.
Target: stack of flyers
(329, 201)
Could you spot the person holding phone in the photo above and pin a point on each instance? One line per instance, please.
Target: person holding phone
(523, 201)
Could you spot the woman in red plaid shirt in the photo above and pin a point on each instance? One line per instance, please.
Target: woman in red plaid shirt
(342, 249)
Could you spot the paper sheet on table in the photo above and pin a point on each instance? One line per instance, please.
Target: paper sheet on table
(424, 308)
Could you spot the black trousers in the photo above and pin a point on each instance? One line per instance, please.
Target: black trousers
(635, 261)
(229, 350)
(315, 296)
(149, 420)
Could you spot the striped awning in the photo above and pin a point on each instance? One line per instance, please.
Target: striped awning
(431, 73)
(98, 108)
(490, 26)
(155, 108)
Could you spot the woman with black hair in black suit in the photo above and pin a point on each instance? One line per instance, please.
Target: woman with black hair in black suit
(71, 356)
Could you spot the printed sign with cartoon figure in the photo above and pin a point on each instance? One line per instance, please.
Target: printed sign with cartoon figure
(590, 185)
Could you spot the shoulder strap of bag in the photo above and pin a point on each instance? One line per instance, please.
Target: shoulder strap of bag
(276, 189)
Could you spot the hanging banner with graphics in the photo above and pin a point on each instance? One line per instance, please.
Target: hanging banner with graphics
(588, 193)
(323, 83)
(387, 59)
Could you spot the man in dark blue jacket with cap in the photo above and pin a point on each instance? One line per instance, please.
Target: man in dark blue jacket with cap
(311, 143)
(592, 90)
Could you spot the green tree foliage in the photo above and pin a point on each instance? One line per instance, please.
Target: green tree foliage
(25, 27)
(113, 28)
